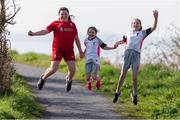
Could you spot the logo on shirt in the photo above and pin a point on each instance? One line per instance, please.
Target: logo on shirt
(68, 29)
(61, 29)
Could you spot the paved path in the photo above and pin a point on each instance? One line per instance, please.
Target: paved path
(79, 103)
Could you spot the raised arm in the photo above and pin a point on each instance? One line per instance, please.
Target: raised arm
(155, 14)
(38, 33)
(78, 44)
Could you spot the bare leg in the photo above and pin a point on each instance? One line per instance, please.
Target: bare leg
(95, 73)
(88, 77)
(51, 70)
(120, 83)
(89, 82)
(71, 69)
(134, 93)
(135, 74)
(121, 80)
(94, 76)
(97, 78)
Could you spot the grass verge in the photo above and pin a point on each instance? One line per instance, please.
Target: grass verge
(20, 104)
(158, 87)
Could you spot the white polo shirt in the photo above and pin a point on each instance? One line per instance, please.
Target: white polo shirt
(134, 39)
(92, 52)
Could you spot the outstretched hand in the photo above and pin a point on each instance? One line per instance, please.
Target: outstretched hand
(155, 14)
(30, 33)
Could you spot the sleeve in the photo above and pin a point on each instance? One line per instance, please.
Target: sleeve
(101, 43)
(146, 32)
(51, 27)
(124, 38)
(85, 42)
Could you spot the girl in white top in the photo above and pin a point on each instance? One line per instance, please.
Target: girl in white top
(92, 53)
(133, 40)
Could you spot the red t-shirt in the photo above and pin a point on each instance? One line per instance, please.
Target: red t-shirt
(64, 34)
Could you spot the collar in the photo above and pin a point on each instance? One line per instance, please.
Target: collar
(91, 38)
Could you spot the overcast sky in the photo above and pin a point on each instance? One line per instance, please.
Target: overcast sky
(112, 16)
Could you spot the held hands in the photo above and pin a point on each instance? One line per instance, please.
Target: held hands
(155, 14)
(118, 43)
(115, 45)
(81, 55)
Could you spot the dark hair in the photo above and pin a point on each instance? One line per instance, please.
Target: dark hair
(66, 9)
(139, 22)
(93, 28)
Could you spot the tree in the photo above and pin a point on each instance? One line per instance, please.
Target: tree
(6, 66)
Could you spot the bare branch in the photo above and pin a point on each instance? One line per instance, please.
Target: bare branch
(12, 17)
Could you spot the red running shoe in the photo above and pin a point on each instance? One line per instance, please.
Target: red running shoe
(98, 84)
(89, 85)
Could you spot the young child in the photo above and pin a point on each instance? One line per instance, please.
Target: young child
(92, 53)
(133, 40)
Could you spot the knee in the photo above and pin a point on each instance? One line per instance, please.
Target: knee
(53, 70)
(123, 75)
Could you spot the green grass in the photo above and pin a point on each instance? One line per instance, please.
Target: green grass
(158, 87)
(20, 104)
(39, 60)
